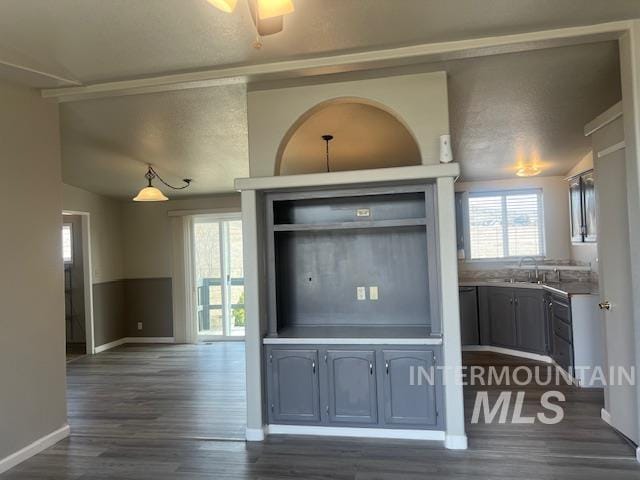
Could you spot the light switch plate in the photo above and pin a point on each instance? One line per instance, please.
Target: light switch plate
(139, 325)
(363, 212)
(361, 293)
(373, 293)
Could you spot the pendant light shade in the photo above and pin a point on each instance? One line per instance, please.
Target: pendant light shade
(150, 194)
(224, 5)
(274, 8)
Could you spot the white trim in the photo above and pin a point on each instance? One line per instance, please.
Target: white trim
(254, 434)
(110, 345)
(638, 454)
(603, 119)
(389, 57)
(507, 351)
(377, 175)
(352, 341)
(34, 448)
(122, 341)
(612, 149)
(606, 417)
(456, 442)
(400, 434)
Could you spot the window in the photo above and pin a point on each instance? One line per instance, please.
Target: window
(67, 243)
(505, 224)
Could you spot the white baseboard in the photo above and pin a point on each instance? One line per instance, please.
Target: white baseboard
(122, 341)
(356, 432)
(33, 449)
(507, 351)
(638, 454)
(254, 434)
(456, 442)
(110, 345)
(606, 416)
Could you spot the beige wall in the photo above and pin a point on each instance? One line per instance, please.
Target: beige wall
(555, 191)
(419, 100)
(107, 256)
(147, 232)
(32, 357)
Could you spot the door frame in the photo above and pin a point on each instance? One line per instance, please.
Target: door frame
(193, 288)
(87, 273)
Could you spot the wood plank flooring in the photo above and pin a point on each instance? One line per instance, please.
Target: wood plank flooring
(136, 412)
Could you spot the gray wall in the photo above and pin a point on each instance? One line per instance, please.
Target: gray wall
(108, 312)
(32, 357)
(148, 300)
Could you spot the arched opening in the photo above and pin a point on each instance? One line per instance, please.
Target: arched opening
(366, 135)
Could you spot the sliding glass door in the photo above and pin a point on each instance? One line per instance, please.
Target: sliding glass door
(218, 276)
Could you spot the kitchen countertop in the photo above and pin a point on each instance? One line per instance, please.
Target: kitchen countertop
(566, 289)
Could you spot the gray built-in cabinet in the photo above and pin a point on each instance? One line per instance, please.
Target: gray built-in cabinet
(582, 201)
(363, 386)
(529, 320)
(353, 264)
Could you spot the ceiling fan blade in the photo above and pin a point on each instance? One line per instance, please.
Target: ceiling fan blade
(265, 27)
(274, 8)
(224, 5)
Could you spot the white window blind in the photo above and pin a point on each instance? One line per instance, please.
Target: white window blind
(67, 243)
(506, 224)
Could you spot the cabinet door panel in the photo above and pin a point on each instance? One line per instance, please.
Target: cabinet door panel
(501, 317)
(352, 386)
(408, 402)
(577, 221)
(589, 203)
(469, 316)
(294, 387)
(530, 321)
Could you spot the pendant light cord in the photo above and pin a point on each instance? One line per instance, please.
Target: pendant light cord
(151, 174)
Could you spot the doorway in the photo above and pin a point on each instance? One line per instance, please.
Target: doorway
(218, 277)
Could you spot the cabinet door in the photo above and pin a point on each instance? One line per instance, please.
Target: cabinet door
(501, 317)
(352, 392)
(294, 392)
(407, 400)
(589, 203)
(531, 325)
(469, 316)
(577, 221)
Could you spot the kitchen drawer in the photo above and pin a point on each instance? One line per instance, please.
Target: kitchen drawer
(562, 329)
(561, 310)
(562, 352)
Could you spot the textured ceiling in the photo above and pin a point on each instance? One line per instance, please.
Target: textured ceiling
(529, 103)
(364, 137)
(97, 40)
(199, 134)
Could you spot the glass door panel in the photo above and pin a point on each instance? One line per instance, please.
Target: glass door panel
(219, 276)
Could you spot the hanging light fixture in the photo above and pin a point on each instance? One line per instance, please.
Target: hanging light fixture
(266, 8)
(153, 194)
(227, 6)
(327, 138)
(528, 171)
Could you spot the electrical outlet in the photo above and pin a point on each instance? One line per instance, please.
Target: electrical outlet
(139, 325)
(373, 293)
(361, 293)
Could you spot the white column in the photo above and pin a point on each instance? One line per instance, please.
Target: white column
(253, 347)
(456, 437)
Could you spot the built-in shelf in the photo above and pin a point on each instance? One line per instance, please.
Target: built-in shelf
(356, 332)
(405, 222)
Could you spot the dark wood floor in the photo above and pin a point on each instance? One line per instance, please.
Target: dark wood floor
(136, 413)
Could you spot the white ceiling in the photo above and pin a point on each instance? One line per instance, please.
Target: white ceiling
(98, 40)
(199, 134)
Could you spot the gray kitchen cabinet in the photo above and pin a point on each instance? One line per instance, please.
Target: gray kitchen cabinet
(294, 385)
(352, 393)
(560, 331)
(469, 327)
(406, 403)
(531, 326)
(502, 324)
(582, 198)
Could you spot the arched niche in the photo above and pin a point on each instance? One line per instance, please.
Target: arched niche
(366, 135)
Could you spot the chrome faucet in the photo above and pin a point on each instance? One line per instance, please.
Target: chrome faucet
(535, 264)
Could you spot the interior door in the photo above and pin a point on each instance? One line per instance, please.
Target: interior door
(615, 273)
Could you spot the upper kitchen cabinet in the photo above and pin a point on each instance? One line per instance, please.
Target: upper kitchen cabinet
(582, 195)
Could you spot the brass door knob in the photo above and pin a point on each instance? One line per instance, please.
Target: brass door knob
(605, 306)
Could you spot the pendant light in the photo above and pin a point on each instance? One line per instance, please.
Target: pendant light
(327, 138)
(227, 6)
(153, 194)
(266, 8)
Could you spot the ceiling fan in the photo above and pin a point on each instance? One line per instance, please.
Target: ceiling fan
(267, 15)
